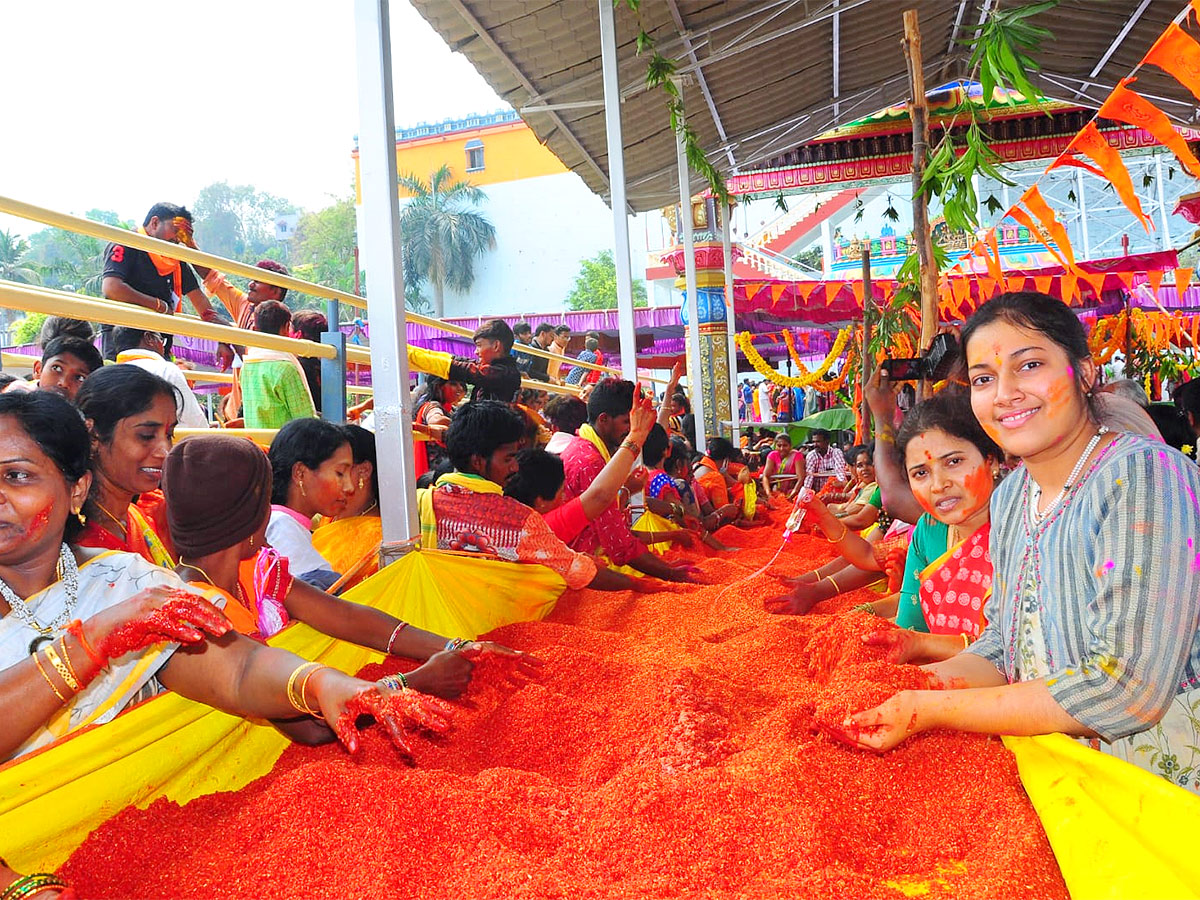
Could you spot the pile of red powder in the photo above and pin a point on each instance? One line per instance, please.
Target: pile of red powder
(673, 748)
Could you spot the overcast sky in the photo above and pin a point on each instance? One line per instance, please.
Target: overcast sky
(119, 105)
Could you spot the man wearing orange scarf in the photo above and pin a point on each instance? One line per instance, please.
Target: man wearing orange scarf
(152, 280)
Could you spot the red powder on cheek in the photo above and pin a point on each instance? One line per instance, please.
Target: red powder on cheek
(979, 483)
(38, 523)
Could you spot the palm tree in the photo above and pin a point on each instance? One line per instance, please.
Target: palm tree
(13, 265)
(442, 234)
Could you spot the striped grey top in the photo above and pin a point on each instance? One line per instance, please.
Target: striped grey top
(1117, 575)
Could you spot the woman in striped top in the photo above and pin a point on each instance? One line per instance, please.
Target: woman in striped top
(1094, 620)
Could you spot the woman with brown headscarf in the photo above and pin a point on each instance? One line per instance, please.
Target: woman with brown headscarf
(219, 491)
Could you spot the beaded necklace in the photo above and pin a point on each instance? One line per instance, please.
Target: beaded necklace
(68, 571)
(1034, 529)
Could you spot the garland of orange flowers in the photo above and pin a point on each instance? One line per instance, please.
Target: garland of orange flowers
(831, 385)
(1155, 331)
(808, 379)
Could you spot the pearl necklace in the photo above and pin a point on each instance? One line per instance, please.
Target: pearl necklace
(1035, 495)
(70, 578)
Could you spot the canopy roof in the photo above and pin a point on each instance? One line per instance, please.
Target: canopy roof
(767, 75)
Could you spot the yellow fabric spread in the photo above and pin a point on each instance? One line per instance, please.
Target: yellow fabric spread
(346, 542)
(174, 748)
(1115, 828)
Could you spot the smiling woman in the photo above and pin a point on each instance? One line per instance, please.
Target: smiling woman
(131, 416)
(1093, 627)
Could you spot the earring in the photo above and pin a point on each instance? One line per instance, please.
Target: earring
(251, 542)
(78, 513)
(361, 484)
(303, 493)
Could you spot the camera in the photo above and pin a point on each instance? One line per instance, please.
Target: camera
(935, 365)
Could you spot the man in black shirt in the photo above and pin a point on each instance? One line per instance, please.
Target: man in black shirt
(494, 375)
(522, 334)
(543, 338)
(150, 279)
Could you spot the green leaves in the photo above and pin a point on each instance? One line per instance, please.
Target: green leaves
(780, 202)
(1000, 52)
(949, 176)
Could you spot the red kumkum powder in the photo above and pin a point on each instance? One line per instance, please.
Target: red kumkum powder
(674, 746)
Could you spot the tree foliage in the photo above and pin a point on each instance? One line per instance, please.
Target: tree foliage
(323, 248)
(27, 330)
(596, 285)
(15, 263)
(238, 222)
(70, 261)
(442, 233)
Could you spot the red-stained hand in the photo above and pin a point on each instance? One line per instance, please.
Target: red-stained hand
(899, 644)
(210, 315)
(637, 480)
(225, 356)
(684, 572)
(883, 727)
(677, 371)
(789, 604)
(446, 674)
(516, 668)
(395, 710)
(641, 419)
(648, 585)
(156, 615)
(683, 537)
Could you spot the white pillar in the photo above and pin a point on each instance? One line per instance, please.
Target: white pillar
(730, 328)
(616, 177)
(695, 383)
(1164, 215)
(381, 246)
(827, 243)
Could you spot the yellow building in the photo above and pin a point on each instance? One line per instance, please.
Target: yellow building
(484, 150)
(547, 220)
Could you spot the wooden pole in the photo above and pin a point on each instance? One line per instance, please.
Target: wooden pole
(864, 354)
(919, 113)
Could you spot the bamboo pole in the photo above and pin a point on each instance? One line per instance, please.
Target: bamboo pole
(865, 356)
(919, 113)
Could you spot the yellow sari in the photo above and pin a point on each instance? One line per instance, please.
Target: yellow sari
(348, 542)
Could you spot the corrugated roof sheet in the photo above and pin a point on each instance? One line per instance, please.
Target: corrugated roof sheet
(769, 67)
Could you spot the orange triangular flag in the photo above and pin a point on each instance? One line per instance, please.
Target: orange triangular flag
(1183, 277)
(1096, 280)
(1111, 167)
(1036, 204)
(961, 288)
(805, 289)
(857, 287)
(777, 291)
(987, 287)
(1177, 53)
(804, 338)
(1132, 108)
(1155, 279)
(1014, 283)
(1126, 279)
(993, 258)
(1041, 283)
(1069, 287)
(886, 289)
(752, 289)
(1025, 219)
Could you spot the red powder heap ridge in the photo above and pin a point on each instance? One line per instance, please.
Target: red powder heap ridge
(674, 747)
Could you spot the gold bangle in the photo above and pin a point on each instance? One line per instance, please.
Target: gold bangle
(56, 661)
(300, 692)
(54, 687)
(291, 685)
(845, 531)
(62, 643)
(834, 583)
(966, 641)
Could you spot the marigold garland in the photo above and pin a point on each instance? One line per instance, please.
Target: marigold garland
(808, 379)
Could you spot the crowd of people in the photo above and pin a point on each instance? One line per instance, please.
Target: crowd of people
(1031, 534)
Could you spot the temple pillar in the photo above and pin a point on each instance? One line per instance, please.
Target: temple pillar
(715, 370)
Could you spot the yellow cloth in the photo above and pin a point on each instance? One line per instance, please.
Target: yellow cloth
(651, 522)
(175, 748)
(1117, 830)
(435, 362)
(588, 433)
(749, 499)
(346, 542)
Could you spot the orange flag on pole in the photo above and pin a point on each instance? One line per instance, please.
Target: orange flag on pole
(993, 258)
(1094, 145)
(1132, 108)
(1177, 53)
(1070, 287)
(1036, 204)
(1025, 219)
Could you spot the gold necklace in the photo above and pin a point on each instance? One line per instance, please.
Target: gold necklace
(115, 520)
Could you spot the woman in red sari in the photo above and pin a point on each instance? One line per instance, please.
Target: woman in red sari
(131, 416)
